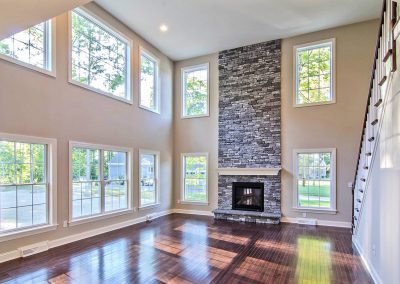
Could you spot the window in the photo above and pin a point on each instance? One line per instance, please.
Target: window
(315, 73)
(27, 183)
(195, 91)
(195, 178)
(100, 57)
(149, 86)
(100, 180)
(32, 48)
(149, 177)
(315, 179)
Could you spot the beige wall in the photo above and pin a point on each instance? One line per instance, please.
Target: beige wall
(196, 134)
(337, 125)
(330, 126)
(35, 104)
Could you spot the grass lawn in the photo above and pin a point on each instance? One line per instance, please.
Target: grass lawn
(314, 193)
(147, 197)
(195, 196)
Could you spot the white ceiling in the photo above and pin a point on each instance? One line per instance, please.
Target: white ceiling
(17, 15)
(199, 27)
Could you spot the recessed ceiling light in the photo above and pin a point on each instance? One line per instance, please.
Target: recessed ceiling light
(163, 28)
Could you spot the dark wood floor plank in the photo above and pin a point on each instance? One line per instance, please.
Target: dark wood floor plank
(196, 249)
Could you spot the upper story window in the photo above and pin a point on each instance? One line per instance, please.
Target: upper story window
(32, 48)
(195, 178)
(27, 187)
(100, 180)
(100, 57)
(149, 177)
(315, 179)
(149, 85)
(195, 91)
(315, 71)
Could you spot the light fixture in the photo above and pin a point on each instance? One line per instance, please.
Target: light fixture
(163, 28)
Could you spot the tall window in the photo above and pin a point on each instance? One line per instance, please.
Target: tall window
(149, 177)
(31, 47)
(149, 88)
(195, 177)
(315, 178)
(100, 180)
(195, 91)
(100, 57)
(26, 185)
(315, 73)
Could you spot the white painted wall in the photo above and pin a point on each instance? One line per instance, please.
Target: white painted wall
(377, 237)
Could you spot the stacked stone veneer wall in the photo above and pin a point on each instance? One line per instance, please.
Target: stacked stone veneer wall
(250, 118)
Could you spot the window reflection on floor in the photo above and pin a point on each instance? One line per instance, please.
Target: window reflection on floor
(314, 264)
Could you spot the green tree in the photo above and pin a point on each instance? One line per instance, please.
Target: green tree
(195, 96)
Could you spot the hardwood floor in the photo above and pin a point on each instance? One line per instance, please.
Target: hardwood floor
(195, 249)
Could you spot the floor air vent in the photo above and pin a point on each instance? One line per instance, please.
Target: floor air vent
(307, 221)
(33, 249)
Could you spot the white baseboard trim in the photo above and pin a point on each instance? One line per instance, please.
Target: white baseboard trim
(366, 263)
(73, 238)
(319, 222)
(193, 212)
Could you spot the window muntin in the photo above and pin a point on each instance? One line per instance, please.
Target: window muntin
(195, 91)
(24, 201)
(314, 73)
(149, 92)
(100, 58)
(149, 178)
(31, 46)
(315, 179)
(195, 177)
(99, 181)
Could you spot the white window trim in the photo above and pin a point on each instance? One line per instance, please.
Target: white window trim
(189, 69)
(108, 27)
(51, 47)
(296, 206)
(157, 178)
(332, 41)
(52, 189)
(85, 219)
(157, 92)
(182, 200)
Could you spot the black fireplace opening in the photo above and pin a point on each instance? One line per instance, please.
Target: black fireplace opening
(248, 196)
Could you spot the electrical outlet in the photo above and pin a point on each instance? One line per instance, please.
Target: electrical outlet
(304, 214)
(65, 223)
(350, 184)
(178, 201)
(134, 209)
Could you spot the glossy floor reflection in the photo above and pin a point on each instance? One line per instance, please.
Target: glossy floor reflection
(193, 249)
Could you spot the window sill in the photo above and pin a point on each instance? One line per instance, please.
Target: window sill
(195, 116)
(149, 206)
(194, 203)
(314, 104)
(98, 217)
(156, 111)
(316, 210)
(73, 82)
(50, 73)
(27, 232)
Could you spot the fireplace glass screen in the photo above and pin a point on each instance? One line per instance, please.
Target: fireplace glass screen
(248, 196)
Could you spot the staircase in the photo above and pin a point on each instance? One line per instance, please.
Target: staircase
(382, 71)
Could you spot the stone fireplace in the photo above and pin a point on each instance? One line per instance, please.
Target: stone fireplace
(249, 152)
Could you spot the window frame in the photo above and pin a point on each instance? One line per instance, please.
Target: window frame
(332, 42)
(157, 83)
(50, 51)
(97, 20)
(333, 190)
(51, 163)
(193, 68)
(85, 219)
(156, 174)
(183, 167)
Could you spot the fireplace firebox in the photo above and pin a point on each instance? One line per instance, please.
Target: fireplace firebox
(248, 196)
